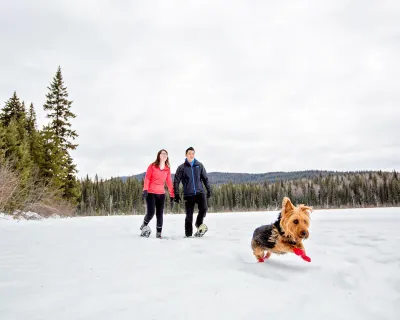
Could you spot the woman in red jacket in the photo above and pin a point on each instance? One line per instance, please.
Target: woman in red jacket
(158, 173)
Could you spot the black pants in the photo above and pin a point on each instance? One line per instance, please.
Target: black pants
(155, 204)
(190, 202)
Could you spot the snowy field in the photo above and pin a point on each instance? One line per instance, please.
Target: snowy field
(99, 268)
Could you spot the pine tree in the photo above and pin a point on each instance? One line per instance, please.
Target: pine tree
(34, 138)
(58, 137)
(2, 144)
(71, 185)
(13, 109)
(52, 167)
(31, 120)
(59, 108)
(17, 149)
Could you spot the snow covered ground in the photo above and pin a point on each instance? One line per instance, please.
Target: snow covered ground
(99, 268)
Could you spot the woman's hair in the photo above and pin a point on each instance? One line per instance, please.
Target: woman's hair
(157, 162)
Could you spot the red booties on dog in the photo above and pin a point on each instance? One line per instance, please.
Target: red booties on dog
(302, 254)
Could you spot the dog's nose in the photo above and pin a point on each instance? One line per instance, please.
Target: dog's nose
(304, 233)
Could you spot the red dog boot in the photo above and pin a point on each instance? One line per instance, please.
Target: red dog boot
(268, 254)
(302, 254)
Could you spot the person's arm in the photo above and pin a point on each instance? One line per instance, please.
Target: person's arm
(204, 178)
(177, 180)
(169, 185)
(147, 178)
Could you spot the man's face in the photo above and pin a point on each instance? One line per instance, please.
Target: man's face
(190, 155)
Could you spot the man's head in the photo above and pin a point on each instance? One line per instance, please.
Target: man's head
(190, 154)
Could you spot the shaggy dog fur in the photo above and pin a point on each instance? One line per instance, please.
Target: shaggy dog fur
(285, 234)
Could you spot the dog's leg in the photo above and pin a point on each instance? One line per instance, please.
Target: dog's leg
(300, 251)
(300, 246)
(257, 251)
(259, 254)
(267, 255)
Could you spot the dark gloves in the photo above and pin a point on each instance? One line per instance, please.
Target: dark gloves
(208, 195)
(144, 194)
(177, 198)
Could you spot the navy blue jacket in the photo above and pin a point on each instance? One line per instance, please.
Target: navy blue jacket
(191, 178)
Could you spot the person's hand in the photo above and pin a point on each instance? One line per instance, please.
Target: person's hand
(208, 195)
(171, 199)
(177, 198)
(144, 194)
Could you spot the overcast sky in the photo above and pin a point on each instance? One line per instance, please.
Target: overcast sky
(253, 86)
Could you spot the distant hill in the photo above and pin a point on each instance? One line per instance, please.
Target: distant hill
(226, 177)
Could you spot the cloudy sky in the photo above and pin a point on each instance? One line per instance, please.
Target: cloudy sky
(254, 86)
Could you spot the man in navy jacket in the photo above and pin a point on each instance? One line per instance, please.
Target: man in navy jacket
(192, 174)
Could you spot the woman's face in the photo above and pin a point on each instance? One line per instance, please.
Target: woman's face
(163, 156)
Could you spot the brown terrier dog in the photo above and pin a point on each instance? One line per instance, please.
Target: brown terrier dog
(285, 234)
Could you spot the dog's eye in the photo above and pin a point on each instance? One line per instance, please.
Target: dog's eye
(296, 221)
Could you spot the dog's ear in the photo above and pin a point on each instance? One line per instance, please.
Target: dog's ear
(287, 205)
(305, 209)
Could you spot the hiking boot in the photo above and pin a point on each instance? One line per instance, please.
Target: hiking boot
(158, 235)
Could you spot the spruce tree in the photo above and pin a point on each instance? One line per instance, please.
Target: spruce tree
(58, 137)
(34, 138)
(31, 120)
(2, 143)
(13, 109)
(17, 149)
(52, 167)
(59, 108)
(14, 144)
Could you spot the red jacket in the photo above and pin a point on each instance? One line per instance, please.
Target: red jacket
(155, 179)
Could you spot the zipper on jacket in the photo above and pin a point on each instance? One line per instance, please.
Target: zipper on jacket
(194, 185)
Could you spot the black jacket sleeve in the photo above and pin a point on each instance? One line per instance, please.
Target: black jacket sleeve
(177, 179)
(204, 178)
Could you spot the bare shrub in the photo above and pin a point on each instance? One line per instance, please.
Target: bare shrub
(9, 185)
(35, 195)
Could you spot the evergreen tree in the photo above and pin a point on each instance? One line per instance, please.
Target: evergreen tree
(59, 108)
(17, 150)
(52, 167)
(58, 136)
(13, 109)
(2, 144)
(31, 120)
(34, 138)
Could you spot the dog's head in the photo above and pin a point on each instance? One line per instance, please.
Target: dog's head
(295, 221)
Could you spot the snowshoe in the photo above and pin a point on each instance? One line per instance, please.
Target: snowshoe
(201, 230)
(146, 231)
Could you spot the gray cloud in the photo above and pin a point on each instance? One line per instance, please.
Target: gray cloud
(254, 86)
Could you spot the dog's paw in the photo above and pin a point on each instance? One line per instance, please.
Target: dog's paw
(302, 254)
(298, 252)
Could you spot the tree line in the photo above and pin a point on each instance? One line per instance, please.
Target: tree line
(342, 190)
